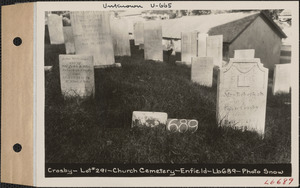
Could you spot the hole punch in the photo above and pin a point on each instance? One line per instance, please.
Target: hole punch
(17, 148)
(17, 41)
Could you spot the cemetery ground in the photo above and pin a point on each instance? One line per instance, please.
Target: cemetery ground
(98, 130)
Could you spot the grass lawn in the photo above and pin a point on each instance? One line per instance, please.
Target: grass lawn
(97, 130)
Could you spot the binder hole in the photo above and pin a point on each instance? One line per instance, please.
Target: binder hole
(17, 41)
(17, 148)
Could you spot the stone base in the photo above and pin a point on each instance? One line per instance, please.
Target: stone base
(182, 63)
(117, 65)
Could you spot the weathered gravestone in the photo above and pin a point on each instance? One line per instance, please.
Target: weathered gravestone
(242, 94)
(249, 53)
(281, 79)
(188, 47)
(138, 33)
(69, 40)
(182, 125)
(153, 48)
(92, 36)
(202, 70)
(55, 26)
(148, 119)
(202, 44)
(76, 75)
(120, 36)
(214, 48)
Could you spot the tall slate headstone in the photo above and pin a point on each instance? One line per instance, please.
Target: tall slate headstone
(249, 53)
(69, 40)
(202, 44)
(242, 94)
(202, 70)
(55, 26)
(281, 79)
(188, 47)
(153, 47)
(138, 33)
(76, 75)
(120, 37)
(215, 49)
(92, 36)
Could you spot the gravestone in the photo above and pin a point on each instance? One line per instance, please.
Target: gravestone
(202, 44)
(249, 53)
(76, 75)
(182, 125)
(153, 48)
(188, 47)
(214, 48)
(138, 33)
(242, 94)
(202, 70)
(120, 37)
(281, 79)
(69, 40)
(92, 36)
(148, 119)
(55, 27)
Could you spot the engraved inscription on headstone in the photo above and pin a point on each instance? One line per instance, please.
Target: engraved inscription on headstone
(281, 79)
(188, 46)
(153, 47)
(148, 119)
(92, 36)
(202, 70)
(242, 94)
(214, 48)
(76, 75)
(182, 125)
(55, 27)
(249, 53)
(138, 33)
(120, 36)
(69, 40)
(202, 44)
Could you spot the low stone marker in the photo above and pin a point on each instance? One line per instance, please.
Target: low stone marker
(120, 37)
(202, 70)
(182, 125)
(76, 75)
(92, 36)
(138, 33)
(153, 48)
(202, 44)
(249, 53)
(55, 27)
(281, 79)
(214, 48)
(69, 40)
(242, 94)
(148, 119)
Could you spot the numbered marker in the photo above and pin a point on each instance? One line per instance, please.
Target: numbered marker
(182, 125)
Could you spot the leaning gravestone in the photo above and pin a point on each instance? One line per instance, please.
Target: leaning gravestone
(188, 47)
(148, 119)
(249, 53)
(138, 33)
(153, 48)
(214, 49)
(69, 40)
(242, 94)
(202, 70)
(92, 36)
(76, 75)
(120, 37)
(55, 26)
(202, 44)
(281, 79)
